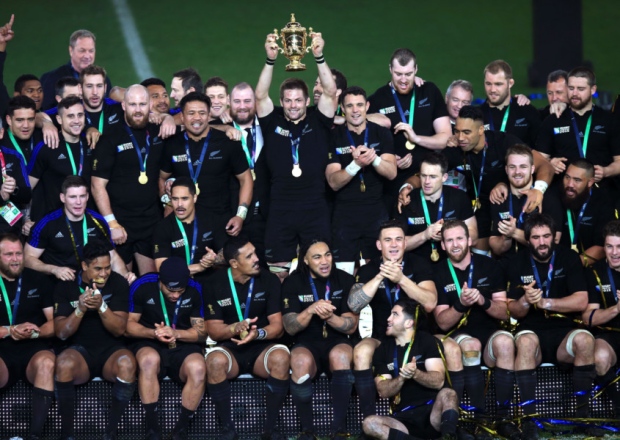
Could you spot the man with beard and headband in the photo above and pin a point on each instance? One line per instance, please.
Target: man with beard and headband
(508, 217)
(217, 91)
(90, 317)
(316, 315)
(547, 290)
(471, 300)
(27, 324)
(586, 210)
(380, 284)
(417, 115)
(583, 130)
(210, 159)
(411, 373)
(361, 160)
(501, 112)
(101, 112)
(242, 309)
(125, 176)
(184, 234)
(296, 156)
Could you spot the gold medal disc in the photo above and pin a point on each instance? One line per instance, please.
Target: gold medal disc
(435, 256)
(409, 145)
(143, 179)
(574, 247)
(296, 171)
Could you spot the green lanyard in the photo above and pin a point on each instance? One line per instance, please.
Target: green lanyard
(457, 284)
(75, 171)
(163, 308)
(16, 145)
(233, 289)
(187, 245)
(244, 144)
(101, 121)
(587, 136)
(506, 113)
(412, 108)
(7, 303)
(84, 232)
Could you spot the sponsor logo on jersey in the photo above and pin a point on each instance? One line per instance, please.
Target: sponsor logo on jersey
(504, 215)
(59, 235)
(151, 302)
(124, 147)
(179, 158)
(73, 304)
(61, 156)
(387, 110)
(606, 288)
(178, 244)
(450, 288)
(390, 366)
(225, 302)
(561, 130)
(487, 127)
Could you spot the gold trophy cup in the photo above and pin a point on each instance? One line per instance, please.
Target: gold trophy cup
(294, 41)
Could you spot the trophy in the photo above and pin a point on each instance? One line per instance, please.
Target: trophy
(294, 42)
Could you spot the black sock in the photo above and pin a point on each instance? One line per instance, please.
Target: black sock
(65, 395)
(276, 391)
(121, 395)
(341, 386)
(302, 399)
(474, 385)
(582, 384)
(366, 391)
(151, 416)
(185, 415)
(449, 419)
(221, 396)
(504, 389)
(395, 434)
(526, 381)
(41, 402)
(457, 378)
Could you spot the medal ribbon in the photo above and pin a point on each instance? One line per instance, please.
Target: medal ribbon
(314, 292)
(189, 252)
(549, 274)
(11, 314)
(233, 289)
(295, 149)
(177, 306)
(76, 172)
(406, 356)
(72, 235)
(612, 284)
(470, 276)
(350, 136)
(249, 155)
(520, 219)
(427, 217)
(574, 232)
(194, 173)
(504, 121)
(100, 121)
(136, 147)
(16, 145)
(582, 147)
(471, 169)
(400, 108)
(2, 165)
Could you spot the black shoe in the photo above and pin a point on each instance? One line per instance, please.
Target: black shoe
(307, 435)
(591, 431)
(464, 434)
(229, 433)
(508, 430)
(529, 430)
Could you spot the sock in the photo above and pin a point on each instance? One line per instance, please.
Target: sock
(395, 434)
(185, 415)
(41, 403)
(221, 395)
(65, 395)
(458, 382)
(449, 419)
(611, 390)
(366, 391)
(504, 389)
(302, 399)
(582, 384)
(121, 395)
(341, 386)
(474, 385)
(276, 391)
(526, 381)
(151, 416)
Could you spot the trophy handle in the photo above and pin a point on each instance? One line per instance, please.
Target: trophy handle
(275, 31)
(309, 47)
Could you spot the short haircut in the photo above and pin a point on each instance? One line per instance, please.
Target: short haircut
(353, 90)
(611, 229)
(403, 56)
(471, 112)
(232, 246)
(497, 66)
(293, 84)
(451, 224)
(408, 305)
(215, 81)
(20, 102)
(241, 86)
(10, 237)
(584, 164)
(520, 150)
(74, 182)
(538, 220)
(153, 82)
(341, 80)
(67, 81)
(389, 224)
(195, 96)
(436, 158)
(583, 72)
(95, 248)
(21, 81)
(557, 75)
(81, 33)
(189, 78)
(186, 182)
(69, 101)
(463, 84)
(92, 70)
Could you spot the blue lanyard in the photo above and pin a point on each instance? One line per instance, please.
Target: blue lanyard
(295, 148)
(484, 159)
(136, 147)
(314, 292)
(246, 312)
(195, 172)
(504, 121)
(396, 368)
(549, 274)
(520, 219)
(612, 283)
(388, 292)
(400, 108)
(350, 136)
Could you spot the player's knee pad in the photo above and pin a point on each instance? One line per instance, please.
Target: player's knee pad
(471, 358)
(571, 337)
(492, 338)
(221, 350)
(271, 350)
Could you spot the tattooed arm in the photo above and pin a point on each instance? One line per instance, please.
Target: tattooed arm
(296, 322)
(361, 294)
(346, 323)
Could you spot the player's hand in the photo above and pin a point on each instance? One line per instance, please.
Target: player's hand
(419, 82)
(532, 294)
(92, 137)
(403, 197)
(364, 155)
(208, 259)
(167, 128)
(64, 273)
(318, 44)
(499, 193)
(558, 164)
(156, 118)
(522, 100)
(408, 370)
(226, 118)
(406, 129)
(433, 232)
(507, 227)
(119, 235)
(469, 297)
(391, 270)
(50, 135)
(165, 333)
(8, 187)
(324, 309)
(7, 33)
(233, 134)
(599, 173)
(244, 325)
(404, 162)
(130, 277)
(557, 108)
(534, 199)
(453, 141)
(251, 336)
(234, 225)
(271, 47)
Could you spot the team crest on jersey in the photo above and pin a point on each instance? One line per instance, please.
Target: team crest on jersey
(282, 131)
(424, 103)
(179, 158)
(343, 150)
(387, 110)
(178, 244)
(521, 122)
(600, 129)
(306, 298)
(390, 366)
(487, 127)
(225, 302)
(124, 147)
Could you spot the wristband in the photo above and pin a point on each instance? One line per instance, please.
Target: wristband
(165, 199)
(8, 331)
(103, 307)
(459, 307)
(376, 162)
(541, 186)
(270, 62)
(487, 304)
(34, 334)
(242, 212)
(262, 333)
(78, 312)
(405, 185)
(352, 168)
(109, 218)
(319, 60)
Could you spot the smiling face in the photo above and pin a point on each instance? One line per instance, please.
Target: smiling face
(242, 106)
(195, 116)
(497, 88)
(397, 322)
(247, 262)
(355, 108)
(71, 121)
(294, 104)
(403, 77)
(392, 243)
(519, 170)
(33, 90)
(160, 102)
(456, 243)
(22, 123)
(83, 54)
(612, 251)
(456, 100)
(136, 106)
(98, 270)
(219, 100)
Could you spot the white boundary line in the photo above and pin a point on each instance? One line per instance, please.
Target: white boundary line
(140, 60)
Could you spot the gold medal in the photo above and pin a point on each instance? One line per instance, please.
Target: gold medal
(397, 399)
(253, 174)
(296, 170)
(478, 205)
(143, 179)
(197, 189)
(324, 331)
(243, 334)
(172, 345)
(434, 255)
(409, 145)
(362, 186)
(574, 247)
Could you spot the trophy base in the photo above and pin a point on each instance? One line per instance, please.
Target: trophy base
(295, 66)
